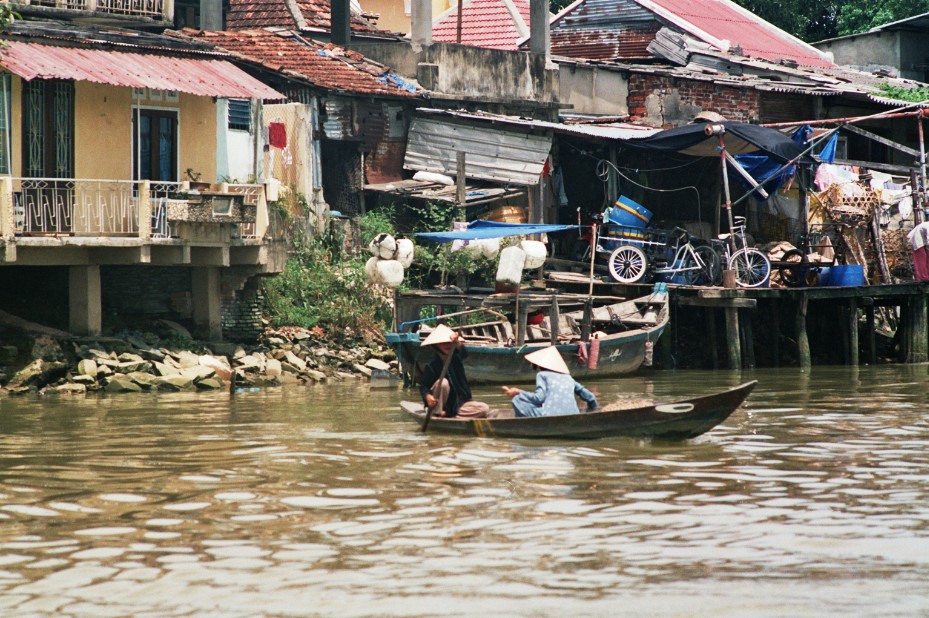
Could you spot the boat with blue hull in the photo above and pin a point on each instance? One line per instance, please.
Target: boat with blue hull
(598, 336)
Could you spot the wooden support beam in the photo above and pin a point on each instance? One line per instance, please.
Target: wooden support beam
(710, 316)
(803, 341)
(748, 343)
(733, 345)
(853, 331)
(881, 140)
(918, 347)
(703, 301)
(775, 319)
(872, 342)
(554, 315)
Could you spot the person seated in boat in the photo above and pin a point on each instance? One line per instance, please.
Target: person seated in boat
(452, 395)
(555, 389)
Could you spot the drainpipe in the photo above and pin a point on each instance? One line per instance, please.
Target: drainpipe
(921, 195)
(341, 22)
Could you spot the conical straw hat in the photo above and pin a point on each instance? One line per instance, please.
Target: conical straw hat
(441, 334)
(548, 358)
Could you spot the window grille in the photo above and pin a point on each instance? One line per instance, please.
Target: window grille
(240, 114)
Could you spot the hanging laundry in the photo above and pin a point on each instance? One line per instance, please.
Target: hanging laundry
(277, 135)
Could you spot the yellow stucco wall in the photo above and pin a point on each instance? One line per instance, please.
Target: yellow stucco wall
(393, 15)
(103, 131)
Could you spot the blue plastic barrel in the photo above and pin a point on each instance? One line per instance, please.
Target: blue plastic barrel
(629, 213)
(845, 275)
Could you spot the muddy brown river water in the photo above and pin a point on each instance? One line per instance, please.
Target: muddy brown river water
(812, 500)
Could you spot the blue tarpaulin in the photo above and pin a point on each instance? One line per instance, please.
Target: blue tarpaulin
(480, 229)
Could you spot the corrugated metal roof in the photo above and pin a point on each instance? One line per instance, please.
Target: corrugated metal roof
(725, 21)
(492, 152)
(211, 78)
(591, 128)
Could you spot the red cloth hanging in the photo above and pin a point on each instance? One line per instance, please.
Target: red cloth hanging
(277, 135)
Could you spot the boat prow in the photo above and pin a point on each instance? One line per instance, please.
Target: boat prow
(674, 420)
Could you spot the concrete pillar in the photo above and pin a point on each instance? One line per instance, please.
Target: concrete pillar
(207, 307)
(84, 305)
(539, 32)
(340, 20)
(421, 26)
(211, 14)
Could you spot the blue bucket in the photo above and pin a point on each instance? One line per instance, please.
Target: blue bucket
(629, 213)
(846, 275)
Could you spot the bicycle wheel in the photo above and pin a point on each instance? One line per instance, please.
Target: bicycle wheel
(751, 267)
(711, 271)
(627, 264)
(794, 272)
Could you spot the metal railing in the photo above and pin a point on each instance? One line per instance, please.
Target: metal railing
(161, 10)
(107, 208)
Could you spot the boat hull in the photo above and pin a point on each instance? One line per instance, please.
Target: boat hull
(672, 421)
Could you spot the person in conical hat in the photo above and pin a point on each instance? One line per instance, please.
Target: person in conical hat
(555, 390)
(448, 394)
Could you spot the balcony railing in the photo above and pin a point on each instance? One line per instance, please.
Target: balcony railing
(109, 208)
(159, 10)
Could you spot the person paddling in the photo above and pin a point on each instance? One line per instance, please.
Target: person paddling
(555, 389)
(450, 396)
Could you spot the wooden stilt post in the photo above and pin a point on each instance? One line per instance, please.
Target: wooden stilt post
(554, 316)
(803, 342)
(853, 331)
(872, 342)
(710, 317)
(522, 322)
(775, 333)
(733, 345)
(748, 342)
(919, 341)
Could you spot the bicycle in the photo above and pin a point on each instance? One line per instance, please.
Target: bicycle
(752, 267)
(668, 254)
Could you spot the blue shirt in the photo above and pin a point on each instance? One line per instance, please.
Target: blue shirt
(554, 395)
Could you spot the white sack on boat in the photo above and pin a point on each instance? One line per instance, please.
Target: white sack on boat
(390, 272)
(405, 251)
(383, 246)
(475, 248)
(371, 270)
(535, 253)
(510, 269)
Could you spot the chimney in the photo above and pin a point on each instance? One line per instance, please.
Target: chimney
(211, 15)
(340, 18)
(540, 38)
(421, 18)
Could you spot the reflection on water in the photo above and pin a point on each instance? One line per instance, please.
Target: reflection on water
(813, 499)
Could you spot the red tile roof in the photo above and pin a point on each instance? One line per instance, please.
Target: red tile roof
(495, 24)
(314, 14)
(724, 20)
(322, 64)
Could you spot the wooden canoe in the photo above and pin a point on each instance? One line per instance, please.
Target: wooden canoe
(676, 420)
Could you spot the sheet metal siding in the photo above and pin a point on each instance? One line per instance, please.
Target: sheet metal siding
(599, 13)
(338, 123)
(491, 153)
(211, 78)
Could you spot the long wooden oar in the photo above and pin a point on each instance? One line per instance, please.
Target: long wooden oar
(448, 359)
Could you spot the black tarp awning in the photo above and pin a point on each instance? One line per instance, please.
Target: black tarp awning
(740, 138)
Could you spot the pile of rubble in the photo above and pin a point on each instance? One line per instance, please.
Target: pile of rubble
(140, 362)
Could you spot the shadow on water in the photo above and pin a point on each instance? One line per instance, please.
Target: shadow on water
(812, 499)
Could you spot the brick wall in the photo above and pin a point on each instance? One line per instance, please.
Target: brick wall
(669, 102)
(241, 313)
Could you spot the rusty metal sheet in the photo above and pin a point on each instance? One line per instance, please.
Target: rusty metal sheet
(201, 77)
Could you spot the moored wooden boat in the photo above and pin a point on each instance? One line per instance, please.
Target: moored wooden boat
(677, 420)
(624, 332)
